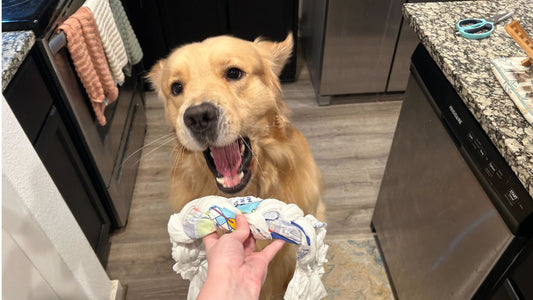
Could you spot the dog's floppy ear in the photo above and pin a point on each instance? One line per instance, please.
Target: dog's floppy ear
(155, 75)
(276, 52)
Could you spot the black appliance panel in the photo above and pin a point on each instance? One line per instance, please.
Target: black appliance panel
(27, 14)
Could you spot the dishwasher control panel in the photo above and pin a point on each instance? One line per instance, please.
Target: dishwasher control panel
(498, 178)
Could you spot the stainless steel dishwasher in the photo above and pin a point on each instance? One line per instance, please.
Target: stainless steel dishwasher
(451, 216)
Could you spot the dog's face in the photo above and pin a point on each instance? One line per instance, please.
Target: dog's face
(221, 97)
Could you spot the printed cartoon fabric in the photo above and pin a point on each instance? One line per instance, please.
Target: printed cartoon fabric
(268, 219)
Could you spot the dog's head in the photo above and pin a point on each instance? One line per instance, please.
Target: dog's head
(221, 97)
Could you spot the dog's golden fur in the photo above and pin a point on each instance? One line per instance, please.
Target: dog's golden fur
(251, 106)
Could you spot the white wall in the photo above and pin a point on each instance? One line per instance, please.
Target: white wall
(39, 231)
(22, 274)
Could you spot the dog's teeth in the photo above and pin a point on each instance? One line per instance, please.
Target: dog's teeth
(220, 180)
(211, 153)
(242, 147)
(241, 175)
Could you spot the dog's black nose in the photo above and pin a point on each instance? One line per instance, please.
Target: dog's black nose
(201, 118)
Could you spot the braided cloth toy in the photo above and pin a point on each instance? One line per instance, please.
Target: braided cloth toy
(268, 219)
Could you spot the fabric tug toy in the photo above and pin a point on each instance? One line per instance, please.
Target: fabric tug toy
(268, 219)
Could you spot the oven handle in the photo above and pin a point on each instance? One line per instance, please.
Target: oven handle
(57, 42)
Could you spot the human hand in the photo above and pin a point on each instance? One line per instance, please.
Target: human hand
(235, 271)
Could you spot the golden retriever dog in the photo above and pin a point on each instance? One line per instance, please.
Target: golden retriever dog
(223, 100)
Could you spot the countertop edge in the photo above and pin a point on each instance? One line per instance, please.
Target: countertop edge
(16, 45)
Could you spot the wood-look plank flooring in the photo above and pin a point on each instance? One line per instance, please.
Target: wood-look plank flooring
(350, 143)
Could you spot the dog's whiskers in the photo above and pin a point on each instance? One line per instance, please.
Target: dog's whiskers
(163, 140)
(253, 154)
(147, 145)
(178, 151)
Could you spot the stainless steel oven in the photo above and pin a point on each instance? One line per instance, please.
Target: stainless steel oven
(107, 146)
(109, 152)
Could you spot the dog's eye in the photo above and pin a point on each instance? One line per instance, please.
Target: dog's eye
(176, 88)
(234, 73)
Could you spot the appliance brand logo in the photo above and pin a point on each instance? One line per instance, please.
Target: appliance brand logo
(455, 115)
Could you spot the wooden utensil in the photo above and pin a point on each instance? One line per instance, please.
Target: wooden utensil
(515, 30)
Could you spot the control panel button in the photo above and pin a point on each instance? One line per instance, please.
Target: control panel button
(492, 167)
(511, 196)
(471, 136)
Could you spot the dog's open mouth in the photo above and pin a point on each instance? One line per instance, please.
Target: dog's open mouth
(230, 164)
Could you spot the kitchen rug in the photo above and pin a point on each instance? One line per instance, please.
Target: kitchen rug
(354, 269)
(517, 81)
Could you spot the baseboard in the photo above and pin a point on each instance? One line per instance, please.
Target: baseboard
(117, 291)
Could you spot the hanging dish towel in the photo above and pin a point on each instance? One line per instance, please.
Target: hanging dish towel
(131, 44)
(111, 40)
(85, 48)
(268, 219)
(517, 81)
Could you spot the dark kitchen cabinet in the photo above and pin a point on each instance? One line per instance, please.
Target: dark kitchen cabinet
(163, 25)
(192, 21)
(272, 20)
(31, 100)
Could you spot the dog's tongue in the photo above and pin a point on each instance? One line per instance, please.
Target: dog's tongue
(227, 159)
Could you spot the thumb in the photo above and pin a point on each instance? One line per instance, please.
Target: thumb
(242, 231)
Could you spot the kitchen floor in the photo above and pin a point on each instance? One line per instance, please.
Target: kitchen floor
(350, 142)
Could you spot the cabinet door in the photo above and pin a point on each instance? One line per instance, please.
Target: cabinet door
(55, 148)
(192, 21)
(146, 21)
(406, 44)
(29, 97)
(273, 20)
(399, 74)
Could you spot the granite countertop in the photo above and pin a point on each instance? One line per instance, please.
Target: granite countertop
(466, 64)
(15, 47)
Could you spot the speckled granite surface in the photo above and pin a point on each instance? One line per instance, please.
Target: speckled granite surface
(466, 64)
(15, 47)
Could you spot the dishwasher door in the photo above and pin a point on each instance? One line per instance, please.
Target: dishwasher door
(439, 233)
